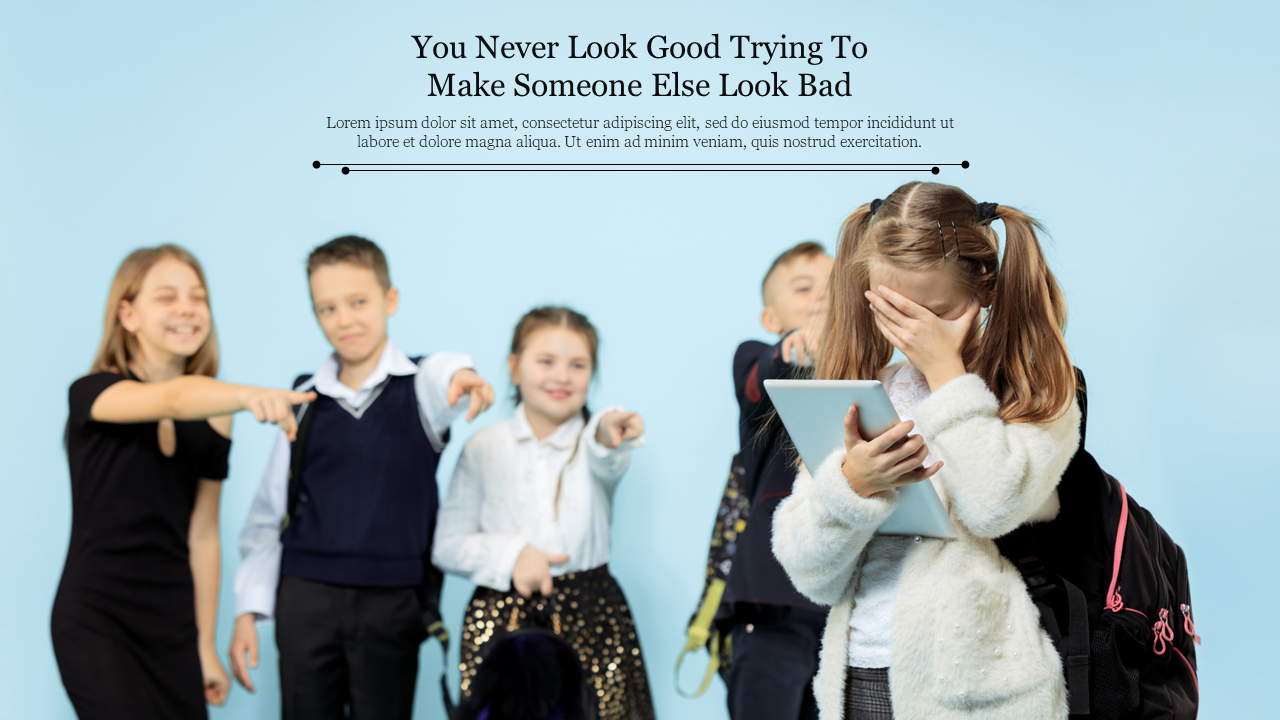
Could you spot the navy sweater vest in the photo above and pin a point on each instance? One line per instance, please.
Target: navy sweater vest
(367, 507)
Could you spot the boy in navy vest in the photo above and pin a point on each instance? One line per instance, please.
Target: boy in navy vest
(337, 545)
(776, 630)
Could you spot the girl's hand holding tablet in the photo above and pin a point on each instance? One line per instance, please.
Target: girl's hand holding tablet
(933, 343)
(617, 426)
(885, 462)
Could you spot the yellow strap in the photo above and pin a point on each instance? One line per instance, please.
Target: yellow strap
(699, 633)
(438, 631)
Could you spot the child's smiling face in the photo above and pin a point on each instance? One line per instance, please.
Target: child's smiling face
(553, 372)
(795, 293)
(352, 308)
(170, 315)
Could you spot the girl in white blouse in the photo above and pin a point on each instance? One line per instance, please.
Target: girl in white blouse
(527, 515)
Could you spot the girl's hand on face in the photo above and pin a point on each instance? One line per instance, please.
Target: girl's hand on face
(617, 426)
(874, 466)
(467, 382)
(532, 572)
(932, 344)
(216, 682)
(275, 406)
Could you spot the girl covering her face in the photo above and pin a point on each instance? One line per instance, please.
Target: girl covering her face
(923, 627)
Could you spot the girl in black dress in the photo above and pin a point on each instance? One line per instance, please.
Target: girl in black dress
(147, 441)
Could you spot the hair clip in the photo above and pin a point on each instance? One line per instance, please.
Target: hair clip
(943, 239)
(955, 235)
(985, 211)
(875, 205)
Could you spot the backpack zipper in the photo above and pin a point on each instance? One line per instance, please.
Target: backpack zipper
(1188, 624)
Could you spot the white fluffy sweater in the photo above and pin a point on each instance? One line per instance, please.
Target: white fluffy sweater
(966, 639)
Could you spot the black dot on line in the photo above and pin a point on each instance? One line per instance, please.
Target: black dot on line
(316, 164)
(934, 170)
(346, 171)
(965, 164)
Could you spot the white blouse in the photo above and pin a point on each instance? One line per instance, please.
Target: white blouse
(503, 498)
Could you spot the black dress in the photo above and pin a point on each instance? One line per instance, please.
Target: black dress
(124, 626)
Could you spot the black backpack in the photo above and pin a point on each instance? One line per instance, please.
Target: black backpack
(1113, 595)
(432, 578)
(709, 626)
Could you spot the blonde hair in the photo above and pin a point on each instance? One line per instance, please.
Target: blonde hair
(1022, 355)
(119, 347)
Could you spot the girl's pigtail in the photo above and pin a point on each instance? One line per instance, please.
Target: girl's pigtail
(1023, 357)
(851, 346)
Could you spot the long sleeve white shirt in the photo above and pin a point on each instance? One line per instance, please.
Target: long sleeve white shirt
(260, 548)
(503, 498)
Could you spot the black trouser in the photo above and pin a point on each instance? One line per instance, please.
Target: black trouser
(347, 647)
(775, 656)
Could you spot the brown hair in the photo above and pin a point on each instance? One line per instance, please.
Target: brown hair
(119, 347)
(1022, 356)
(355, 250)
(554, 316)
(808, 248)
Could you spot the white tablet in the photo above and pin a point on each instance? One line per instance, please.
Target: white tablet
(813, 412)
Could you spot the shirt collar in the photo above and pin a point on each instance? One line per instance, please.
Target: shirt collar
(564, 437)
(393, 361)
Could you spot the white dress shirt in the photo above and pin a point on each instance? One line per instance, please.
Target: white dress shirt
(503, 498)
(260, 548)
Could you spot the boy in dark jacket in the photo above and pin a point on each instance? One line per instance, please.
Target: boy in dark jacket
(776, 630)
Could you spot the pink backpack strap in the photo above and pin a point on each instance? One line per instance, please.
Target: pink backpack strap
(1114, 601)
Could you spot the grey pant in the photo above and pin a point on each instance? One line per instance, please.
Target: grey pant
(866, 694)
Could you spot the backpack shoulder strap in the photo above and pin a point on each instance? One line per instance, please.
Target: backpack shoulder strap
(1082, 397)
(297, 451)
(432, 584)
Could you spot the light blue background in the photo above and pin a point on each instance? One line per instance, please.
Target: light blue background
(1144, 138)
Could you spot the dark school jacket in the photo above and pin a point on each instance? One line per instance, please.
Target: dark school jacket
(768, 460)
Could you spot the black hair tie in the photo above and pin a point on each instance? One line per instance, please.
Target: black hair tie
(986, 212)
(875, 205)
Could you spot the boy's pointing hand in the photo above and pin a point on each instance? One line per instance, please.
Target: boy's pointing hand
(467, 382)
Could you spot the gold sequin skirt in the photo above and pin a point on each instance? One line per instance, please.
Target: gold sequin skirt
(589, 611)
